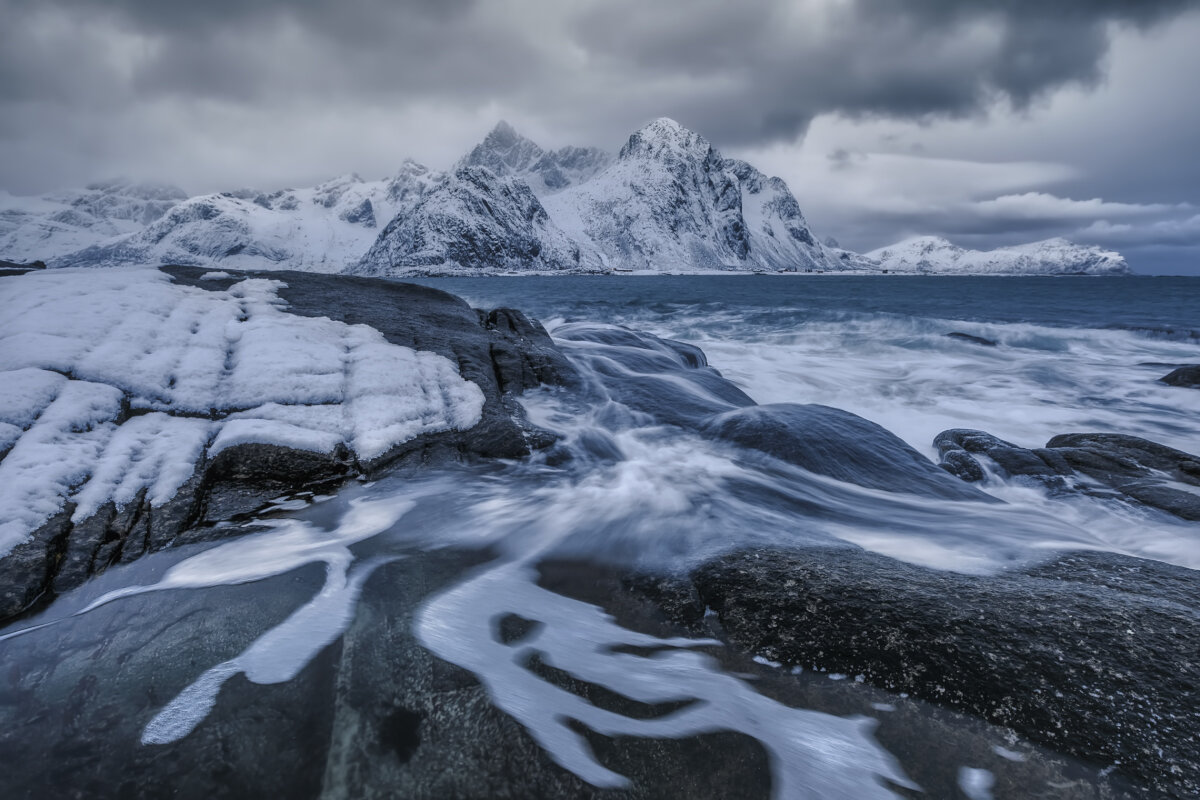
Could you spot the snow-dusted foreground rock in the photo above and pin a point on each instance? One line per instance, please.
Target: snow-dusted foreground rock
(934, 254)
(133, 405)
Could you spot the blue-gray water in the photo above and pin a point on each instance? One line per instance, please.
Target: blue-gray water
(1168, 306)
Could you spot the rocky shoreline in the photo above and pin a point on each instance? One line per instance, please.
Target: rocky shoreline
(1078, 672)
(501, 351)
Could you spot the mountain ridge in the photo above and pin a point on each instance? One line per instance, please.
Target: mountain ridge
(668, 201)
(1055, 256)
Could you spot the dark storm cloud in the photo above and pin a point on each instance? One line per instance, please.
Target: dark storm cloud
(742, 72)
(243, 51)
(775, 65)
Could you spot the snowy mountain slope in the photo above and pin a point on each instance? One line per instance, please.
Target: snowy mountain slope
(54, 224)
(506, 152)
(1049, 257)
(668, 201)
(473, 221)
(671, 202)
(320, 229)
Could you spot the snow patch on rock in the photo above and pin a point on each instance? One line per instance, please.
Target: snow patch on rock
(117, 381)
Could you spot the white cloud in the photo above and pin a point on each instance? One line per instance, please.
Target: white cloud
(1177, 232)
(1040, 205)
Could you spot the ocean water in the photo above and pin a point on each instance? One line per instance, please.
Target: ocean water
(634, 483)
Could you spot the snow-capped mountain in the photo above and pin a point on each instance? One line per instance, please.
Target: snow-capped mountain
(668, 202)
(474, 220)
(671, 202)
(51, 225)
(506, 152)
(1049, 257)
(320, 229)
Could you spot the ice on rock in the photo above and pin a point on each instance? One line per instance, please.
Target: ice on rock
(203, 370)
(156, 452)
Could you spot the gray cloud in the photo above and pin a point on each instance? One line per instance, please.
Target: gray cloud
(272, 92)
(742, 72)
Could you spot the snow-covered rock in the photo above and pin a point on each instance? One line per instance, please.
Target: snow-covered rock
(118, 383)
(671, 202)
(1050, 257)
(51, 225)
(506, 152)
(474, 221)
(320, 229)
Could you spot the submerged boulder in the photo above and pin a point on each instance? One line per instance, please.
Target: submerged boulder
(841, 445)
(967, 337)
(665, 380)
(1187, 376)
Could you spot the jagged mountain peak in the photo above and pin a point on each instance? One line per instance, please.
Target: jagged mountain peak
(503, 133)
(506, 152)
(665, 138)
(503, 151)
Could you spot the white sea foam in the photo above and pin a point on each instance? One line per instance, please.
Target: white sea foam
(812, 754)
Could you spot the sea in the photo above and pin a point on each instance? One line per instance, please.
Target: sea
(632, 485)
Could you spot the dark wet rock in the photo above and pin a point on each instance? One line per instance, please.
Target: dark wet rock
(967, 337)
(375, 715)
(930, 741)
(1091, 654)
(1012, 459)
(523, 353)
(1186, 376)
(841, 445)
(1099, 464)
(961, 465)
(13, 268)
(27, 570)
(1135, 467)
(73, 704)
(503, 352)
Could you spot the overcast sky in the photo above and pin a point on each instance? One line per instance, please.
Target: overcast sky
(989, 122)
